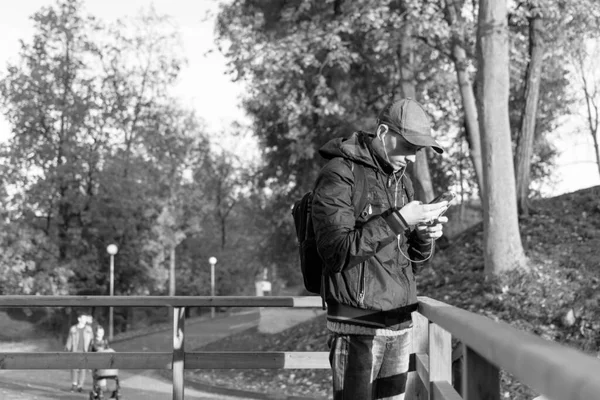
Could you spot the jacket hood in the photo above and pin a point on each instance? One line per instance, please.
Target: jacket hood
(356, 147)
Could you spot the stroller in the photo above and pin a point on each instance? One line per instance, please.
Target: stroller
(99, 384)
(100, 388)
(101, 376)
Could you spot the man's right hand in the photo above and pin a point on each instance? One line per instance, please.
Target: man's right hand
(416, 213)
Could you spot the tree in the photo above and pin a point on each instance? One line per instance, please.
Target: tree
(28, 263)
(50, 101)
(408, 67)
(503, 249)
(183, 147)
(318, 70)
(585, 62)
(224, 182)
(99, 147)
(532, 88)
(459, 49)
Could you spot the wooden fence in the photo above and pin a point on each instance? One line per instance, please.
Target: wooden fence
(558, 372)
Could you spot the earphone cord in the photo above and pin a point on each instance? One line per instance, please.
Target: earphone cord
(395, 205)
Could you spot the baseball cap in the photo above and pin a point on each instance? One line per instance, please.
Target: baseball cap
(408, 118)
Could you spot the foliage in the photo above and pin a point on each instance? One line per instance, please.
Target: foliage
(29, 263)
(316, 70)
(100, 153)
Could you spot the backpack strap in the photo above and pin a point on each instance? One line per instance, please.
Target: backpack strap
(360, 188)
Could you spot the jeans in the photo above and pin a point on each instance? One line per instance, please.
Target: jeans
(369, 367)
(79, 382)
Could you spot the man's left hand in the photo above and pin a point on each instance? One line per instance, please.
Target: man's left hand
(431, 230)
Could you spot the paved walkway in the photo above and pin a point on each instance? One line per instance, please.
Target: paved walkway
(53, 385)
(136, 385)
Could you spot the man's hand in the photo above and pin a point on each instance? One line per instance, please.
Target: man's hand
(431, 230)
(415, 213)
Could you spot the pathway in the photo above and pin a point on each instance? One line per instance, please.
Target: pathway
(135, 385)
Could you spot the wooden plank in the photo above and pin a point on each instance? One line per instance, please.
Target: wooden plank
(163, 360)
(444, 391)
(480, 379)
(253, 360)
(158, 301)
(416, 387)
(557, 371)
(440, 354)
(422, 366)
(178, 352)
(56, 360)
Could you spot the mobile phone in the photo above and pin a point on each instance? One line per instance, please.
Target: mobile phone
(446, 196)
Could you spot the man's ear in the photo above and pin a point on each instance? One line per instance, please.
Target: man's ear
(382, 129)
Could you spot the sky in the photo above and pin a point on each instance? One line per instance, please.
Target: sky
(205, 87)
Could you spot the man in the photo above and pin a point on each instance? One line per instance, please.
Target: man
(79, 339)
(369, 285)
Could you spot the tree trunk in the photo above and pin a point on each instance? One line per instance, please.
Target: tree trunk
(465, 85)
(420, 171)
(503, 249)
(532, 90)
(596, 151)
(470, 109)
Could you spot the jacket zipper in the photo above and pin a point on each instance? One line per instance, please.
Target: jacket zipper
(399, 245)
(361, 292)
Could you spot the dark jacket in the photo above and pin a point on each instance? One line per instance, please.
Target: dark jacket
(367, 280)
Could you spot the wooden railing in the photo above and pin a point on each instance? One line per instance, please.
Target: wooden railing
(560, 373)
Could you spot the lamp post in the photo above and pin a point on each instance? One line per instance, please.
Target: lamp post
(212, 261)
(112, 249)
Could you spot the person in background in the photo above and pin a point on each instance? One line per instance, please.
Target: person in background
(78, 341)
(369, 284)
(100, 344)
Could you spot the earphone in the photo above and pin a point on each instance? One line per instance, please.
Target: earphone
(381, 136)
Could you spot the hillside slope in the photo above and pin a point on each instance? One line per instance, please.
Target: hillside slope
(558, 298)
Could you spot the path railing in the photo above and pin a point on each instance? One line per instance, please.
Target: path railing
(558, 372)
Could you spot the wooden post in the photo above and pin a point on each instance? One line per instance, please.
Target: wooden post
(415, 389)
(178, 352)
(457, 367)
(480, 379)
(440, 355)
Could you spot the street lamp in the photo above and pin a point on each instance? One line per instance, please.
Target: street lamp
(212, 261)
(112, 249)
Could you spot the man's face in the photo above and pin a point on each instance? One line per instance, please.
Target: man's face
(399, 151)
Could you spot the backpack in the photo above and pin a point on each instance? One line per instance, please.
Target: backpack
(311, 263)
